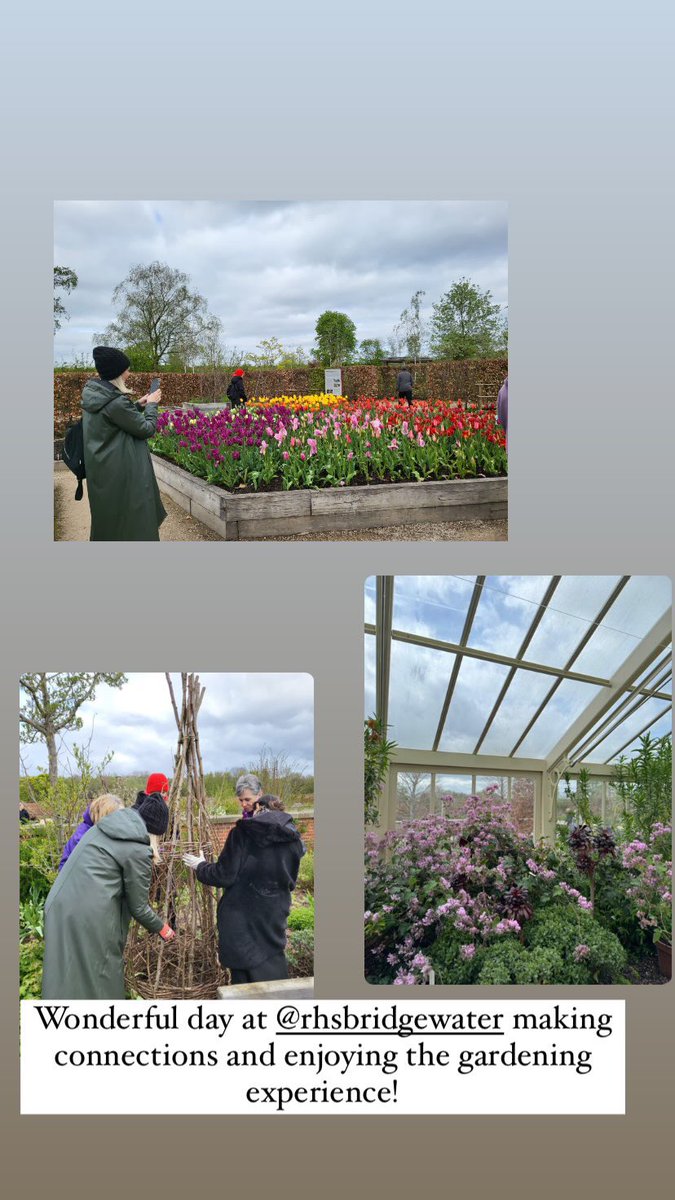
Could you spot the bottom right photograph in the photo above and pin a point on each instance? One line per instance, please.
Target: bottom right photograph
(518, 779)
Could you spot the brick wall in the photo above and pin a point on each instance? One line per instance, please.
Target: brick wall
(223, 826)
(472, 380)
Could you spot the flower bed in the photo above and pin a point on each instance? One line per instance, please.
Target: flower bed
(284, 447)
(475, 901)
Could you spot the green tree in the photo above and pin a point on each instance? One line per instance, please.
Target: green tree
(410, 329)
(335, 338)
(269, 353)
(466, 324)
(64, 281)
(50, 705)
(158, 309)
(371, 350)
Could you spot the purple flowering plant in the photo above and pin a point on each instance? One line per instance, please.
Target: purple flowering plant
(651, 867)
(272, 446)
(477, 877)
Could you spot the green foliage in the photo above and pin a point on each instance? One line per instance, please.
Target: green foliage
(507, 961)
(466, 324)
(300, 953)
(301, 916)
(306, 872)
(32, 916)
(612, 882)
(644, 784)
(141, 357)
(50, 704)
(157, 309)
(335, 338)
(64, 281)
(377, 752)
(31, 955)
(580, 800)
(371, 351)
(565, 927)
(410, 328)
(37, 868)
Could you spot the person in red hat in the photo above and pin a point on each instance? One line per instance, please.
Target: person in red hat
(235, 389)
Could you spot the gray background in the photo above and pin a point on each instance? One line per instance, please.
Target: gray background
(566, 114)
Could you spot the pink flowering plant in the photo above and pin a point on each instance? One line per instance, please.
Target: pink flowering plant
(370, 441)
(650, 864)
(440, 892)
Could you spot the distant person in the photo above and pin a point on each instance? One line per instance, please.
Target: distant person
(91, 816)
(102, 886)
(123, 493)
(404, 383)
(235, 389)
(503, 408)
(257, 869)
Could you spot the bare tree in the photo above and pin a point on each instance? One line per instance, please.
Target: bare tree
(50, 705)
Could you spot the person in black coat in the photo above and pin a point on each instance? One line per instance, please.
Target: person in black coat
(257, 869)
(404, 383)
(235, 389)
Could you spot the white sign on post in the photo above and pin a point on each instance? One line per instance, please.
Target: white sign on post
(333, 381)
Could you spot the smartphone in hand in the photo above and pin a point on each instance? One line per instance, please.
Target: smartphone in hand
(155, 385)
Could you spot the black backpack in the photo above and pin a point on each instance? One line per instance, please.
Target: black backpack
(73, 455)
(73, 452)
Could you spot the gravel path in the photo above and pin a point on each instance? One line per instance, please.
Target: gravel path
(71, 524)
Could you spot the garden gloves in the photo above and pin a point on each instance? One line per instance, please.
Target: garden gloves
(193, 860)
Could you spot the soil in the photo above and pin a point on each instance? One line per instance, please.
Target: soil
(645, 970)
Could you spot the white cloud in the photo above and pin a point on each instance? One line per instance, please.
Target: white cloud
(269, 270)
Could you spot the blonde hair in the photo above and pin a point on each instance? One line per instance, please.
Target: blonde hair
(154, 845)
(102, 806)
(121, 385)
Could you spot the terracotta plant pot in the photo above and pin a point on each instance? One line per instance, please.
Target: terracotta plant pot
(665, 953)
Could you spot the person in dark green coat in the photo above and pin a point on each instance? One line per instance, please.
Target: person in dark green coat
(104, 883)
(123, 494)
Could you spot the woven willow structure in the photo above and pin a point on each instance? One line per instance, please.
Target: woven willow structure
(188, 967)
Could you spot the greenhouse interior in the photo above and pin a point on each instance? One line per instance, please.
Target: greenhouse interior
(543, 703)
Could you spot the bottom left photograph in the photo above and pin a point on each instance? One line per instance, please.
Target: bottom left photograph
(166, 836)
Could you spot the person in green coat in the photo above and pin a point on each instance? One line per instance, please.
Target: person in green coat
(123, 494)
(105, 882)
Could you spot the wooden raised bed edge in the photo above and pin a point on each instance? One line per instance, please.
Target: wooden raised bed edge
(270, 514)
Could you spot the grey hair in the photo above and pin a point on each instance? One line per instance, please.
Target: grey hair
(248, 783)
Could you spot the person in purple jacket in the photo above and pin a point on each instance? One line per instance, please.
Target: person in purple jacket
(503, 408)
(91, 816)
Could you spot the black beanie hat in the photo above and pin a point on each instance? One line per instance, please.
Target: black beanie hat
(154, 811)
(110, 363)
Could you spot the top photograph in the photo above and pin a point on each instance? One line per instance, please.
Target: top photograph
(280, 371)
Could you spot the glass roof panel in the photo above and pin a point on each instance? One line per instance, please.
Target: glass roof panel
(567, 703)
(620, 700)
(636, 609)
(575, 605)
(660, 728)
(630, 727)
(655, 670)
(369, 675)
(507, 608)
(432, 605)
(478, 685)
(369, 603)
(418, 683)
(526, 692)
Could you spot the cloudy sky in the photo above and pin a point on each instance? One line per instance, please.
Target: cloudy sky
(240, 715)
(270, 269)
(436, 606)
